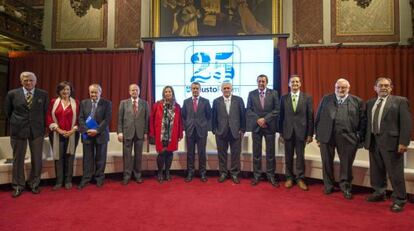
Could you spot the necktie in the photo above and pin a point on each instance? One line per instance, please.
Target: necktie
(375, 124)
(294, 102)
(262, 99)
(29, 99)
(195, 104)
(227, 103)
(135, 106)
(340, 101)
(93, 109)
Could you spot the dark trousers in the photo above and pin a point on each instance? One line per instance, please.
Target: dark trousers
(257, 154)
(94, 161)
(223, 143)
(346, 152)
(64, 166)
(192, 141)
(132, 165)
(164, 161)
(19, 147)
(293, 145)
(382, 162)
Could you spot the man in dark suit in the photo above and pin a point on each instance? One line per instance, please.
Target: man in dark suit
(296, 130)
(95, 140)
(229, 125)
(133, 119)
(387, 138)
(262, 113)
(196, 114)
(26, 109)
(340, 123)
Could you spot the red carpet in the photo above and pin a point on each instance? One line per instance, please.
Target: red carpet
(178, 205)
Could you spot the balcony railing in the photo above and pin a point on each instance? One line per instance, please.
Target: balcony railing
(21, 22)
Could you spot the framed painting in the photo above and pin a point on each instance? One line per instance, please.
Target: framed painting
(365, 21)
(78, 24)
(183, 18)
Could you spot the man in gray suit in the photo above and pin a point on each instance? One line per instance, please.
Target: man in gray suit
(340, 123)
(26, 109)
(196, 114)
(296, 130)
(387, 138)
(262, 113)
(95, 139)
(229, 125)
(133, 118)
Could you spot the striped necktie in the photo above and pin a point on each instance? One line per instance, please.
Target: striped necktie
(92, 115)
(29, 99)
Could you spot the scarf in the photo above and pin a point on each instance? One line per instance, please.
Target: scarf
(71, 145)
(167, 122)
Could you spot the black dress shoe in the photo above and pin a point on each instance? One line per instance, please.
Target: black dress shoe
(68, 186)
(235, 179)
(99, 184)
(81, 186)
(139, 180)
(274, 182)
(189, 178)
(203, 178)
(396, 208)
(36, 190)
(17, 192)
(347, 195)
(376, 198)
(328, 191)
(222, 178)
(167, 175)
(56, 187)
(254, 181)
(160, 178)
(124, 182)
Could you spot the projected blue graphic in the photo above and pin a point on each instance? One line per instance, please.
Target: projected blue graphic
(217, 68)
(180, 63)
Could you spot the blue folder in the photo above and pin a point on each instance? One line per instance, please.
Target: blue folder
(90, 124)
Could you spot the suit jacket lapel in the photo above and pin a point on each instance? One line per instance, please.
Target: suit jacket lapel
(200, 104)
(288, 102)
(130, 106)
(23, 97)
(301, 100)
(387, 106)
(223, 105)
(257, 97)
(141, 105)
(267, 97)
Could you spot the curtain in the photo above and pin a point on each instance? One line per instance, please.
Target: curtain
(114, 71)
(321, 67)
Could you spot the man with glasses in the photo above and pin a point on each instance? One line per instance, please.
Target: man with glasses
(387, 138)
(340, 124)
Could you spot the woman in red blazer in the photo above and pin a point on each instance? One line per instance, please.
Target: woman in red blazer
(62, 121)
(165, 130)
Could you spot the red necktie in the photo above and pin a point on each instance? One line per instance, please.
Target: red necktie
(262, 99)
(135, 106)
(195, 105)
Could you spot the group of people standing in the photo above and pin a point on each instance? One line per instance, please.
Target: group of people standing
(343, 122)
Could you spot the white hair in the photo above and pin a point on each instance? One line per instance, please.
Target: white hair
(28, 74)
(343, 80)
(97, 86)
